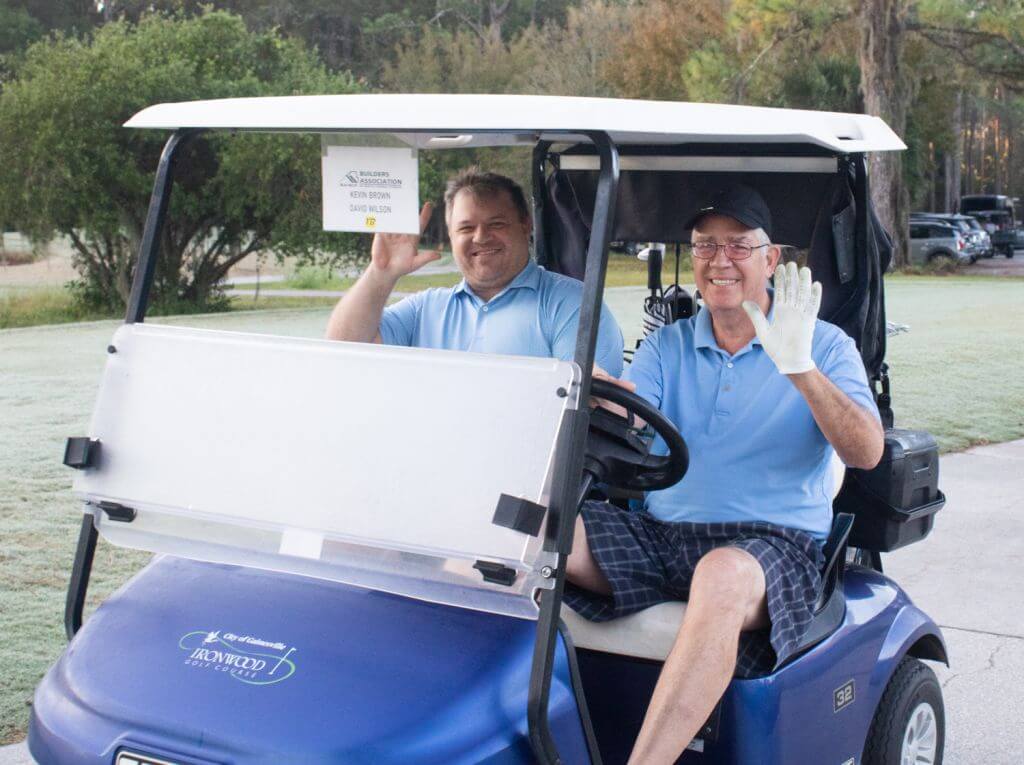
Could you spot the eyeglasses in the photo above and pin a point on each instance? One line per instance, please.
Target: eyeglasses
(733, 250)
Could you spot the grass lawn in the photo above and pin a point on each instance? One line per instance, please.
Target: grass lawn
(959, 373)
(38, 306)
(623, 271)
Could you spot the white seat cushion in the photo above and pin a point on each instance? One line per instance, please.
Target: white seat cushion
(647, 634)
(838, 474)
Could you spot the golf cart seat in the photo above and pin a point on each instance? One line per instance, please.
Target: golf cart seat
(649, 634)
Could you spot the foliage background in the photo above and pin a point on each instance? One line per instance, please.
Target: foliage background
(72, 70)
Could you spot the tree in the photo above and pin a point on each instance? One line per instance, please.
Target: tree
(653, 59)
(881, 65)
(17, 28)
(67, 165)
(574, 59)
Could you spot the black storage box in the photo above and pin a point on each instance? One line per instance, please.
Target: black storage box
(895, 503)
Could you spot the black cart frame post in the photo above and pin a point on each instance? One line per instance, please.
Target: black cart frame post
(137, 303)
(568, 467)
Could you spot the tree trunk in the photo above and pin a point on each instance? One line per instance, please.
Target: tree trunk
(1011, 143)
(954, 156)
(983, 152)
(881, 83)
(969, 148)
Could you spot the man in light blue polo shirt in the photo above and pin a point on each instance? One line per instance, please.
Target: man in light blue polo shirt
(504, 304)
(762, 402)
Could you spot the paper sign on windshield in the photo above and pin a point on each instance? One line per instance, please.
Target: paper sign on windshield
(369, 189)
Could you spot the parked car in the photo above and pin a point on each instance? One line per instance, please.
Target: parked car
(983, 236)
(999, 224)
(997, 214)
(932, 241)
(978, 241)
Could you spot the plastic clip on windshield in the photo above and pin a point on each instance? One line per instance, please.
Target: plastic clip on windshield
(519, 514)
(116, 512)
(495, 573)
(81, 452)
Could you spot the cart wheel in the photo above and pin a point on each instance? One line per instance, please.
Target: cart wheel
(909, 727)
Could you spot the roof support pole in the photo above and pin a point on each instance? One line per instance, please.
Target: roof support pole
(150, 249)
(568, 468)
(538, 176)
(137, 301)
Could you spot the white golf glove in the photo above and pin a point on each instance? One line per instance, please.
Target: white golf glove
(787, 340)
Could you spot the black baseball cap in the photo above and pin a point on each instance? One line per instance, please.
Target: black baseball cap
(739, 202)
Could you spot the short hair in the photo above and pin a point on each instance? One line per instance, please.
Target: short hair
(484, 185)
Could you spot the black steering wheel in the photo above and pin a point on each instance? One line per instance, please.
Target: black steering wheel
(617, 455)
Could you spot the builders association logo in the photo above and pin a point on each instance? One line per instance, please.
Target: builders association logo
(245, 658)
(371, 179)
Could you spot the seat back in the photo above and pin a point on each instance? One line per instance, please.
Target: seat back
(363, 463)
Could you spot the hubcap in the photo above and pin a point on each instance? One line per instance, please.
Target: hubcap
(921, 738)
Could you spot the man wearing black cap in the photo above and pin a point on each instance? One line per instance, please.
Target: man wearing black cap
(764, 394)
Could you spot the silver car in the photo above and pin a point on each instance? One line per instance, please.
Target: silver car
(932, 241)
(977, 243)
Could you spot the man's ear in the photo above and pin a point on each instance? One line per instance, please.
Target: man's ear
(774, 255)
(528, 224)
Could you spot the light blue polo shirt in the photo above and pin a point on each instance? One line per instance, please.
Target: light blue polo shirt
(756, 453)
(537, 314)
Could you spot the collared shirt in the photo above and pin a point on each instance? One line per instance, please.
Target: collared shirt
(756, 453)
(537, 314)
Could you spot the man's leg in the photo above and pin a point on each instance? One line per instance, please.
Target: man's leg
(727, 596)
(580, 568)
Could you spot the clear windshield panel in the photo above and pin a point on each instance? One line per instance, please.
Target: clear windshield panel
(369, 464)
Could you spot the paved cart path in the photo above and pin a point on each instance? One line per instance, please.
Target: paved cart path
(969, 576)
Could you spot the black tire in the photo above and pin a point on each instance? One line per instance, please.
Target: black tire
(911, 685)
(942, 260)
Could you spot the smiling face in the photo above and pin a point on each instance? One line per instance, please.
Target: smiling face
(723, 283)
(490, 241)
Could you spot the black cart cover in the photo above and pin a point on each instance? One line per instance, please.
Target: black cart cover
(827, 216)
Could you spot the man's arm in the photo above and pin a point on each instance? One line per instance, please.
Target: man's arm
(357, 315)
(392, 256)
(854, 433)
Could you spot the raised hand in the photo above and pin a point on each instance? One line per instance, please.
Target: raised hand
(395, 255)
(787, 340)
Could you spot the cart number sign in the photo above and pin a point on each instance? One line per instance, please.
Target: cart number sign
(843, 697)
(370, 189)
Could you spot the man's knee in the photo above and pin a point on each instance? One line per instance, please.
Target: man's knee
(729, 579)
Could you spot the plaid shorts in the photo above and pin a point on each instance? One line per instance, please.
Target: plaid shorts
(648, 561)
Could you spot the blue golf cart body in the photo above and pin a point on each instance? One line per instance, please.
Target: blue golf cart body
(270, 628)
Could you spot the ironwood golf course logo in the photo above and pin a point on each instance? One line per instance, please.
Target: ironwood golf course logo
(245, 658)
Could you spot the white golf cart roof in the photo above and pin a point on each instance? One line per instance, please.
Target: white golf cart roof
(456, 121)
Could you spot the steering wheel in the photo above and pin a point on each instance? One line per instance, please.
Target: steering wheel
(618, 456)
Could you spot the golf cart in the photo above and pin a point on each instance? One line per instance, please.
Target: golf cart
(360, 582)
